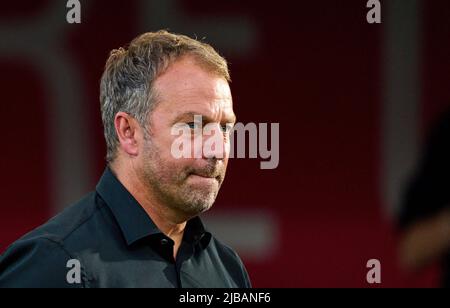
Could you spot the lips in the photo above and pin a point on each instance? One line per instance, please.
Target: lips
(211, 176)
(207, 172)
(207, 176)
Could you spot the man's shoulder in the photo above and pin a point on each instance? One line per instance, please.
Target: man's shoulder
(224, 250)
(65, 224)
(232, 262)
(39, 258)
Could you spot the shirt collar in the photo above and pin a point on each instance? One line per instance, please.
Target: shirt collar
(134, 222)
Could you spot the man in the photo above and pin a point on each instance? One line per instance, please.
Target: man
(425, 216)
(140, 228)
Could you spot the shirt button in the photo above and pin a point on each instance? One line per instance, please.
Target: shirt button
(164, 241)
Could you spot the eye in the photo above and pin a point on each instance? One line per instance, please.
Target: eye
(226, 128)
(192, 125)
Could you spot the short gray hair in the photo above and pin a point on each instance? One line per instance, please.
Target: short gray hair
(127, 81)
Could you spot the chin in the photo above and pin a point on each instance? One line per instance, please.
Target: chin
(197, 207)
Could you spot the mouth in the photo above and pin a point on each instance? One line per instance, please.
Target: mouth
(204, 177)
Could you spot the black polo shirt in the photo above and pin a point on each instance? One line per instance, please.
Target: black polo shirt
(111, 241)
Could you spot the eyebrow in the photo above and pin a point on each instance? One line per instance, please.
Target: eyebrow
(191, 114)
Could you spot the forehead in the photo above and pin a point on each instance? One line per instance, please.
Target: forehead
(187, 87)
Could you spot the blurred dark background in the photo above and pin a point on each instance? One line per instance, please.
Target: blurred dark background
(354, 102)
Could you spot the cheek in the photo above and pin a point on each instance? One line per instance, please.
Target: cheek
(173, 165)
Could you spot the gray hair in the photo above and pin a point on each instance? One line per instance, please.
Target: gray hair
(127, 81)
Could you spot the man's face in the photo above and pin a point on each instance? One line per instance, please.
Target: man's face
(187, 185)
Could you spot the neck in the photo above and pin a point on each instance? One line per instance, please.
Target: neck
(168, 222)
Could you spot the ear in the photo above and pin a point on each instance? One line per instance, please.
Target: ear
(128, 133)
